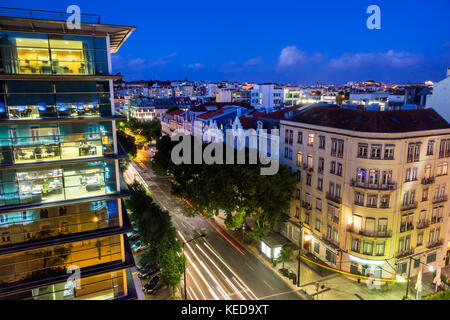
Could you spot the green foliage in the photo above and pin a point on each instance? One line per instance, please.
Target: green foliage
(156, 229)
(286, 254)
(239, 190)
(442, 295)
(127, 142)
(149, 130)
(162, 162)
(171, 109)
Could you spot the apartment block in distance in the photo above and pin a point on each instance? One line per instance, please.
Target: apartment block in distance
(61, 191)
(372, 188)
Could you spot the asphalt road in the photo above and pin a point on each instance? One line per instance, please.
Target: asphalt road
(219, 267)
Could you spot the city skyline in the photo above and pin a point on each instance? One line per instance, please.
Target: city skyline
(267, 43)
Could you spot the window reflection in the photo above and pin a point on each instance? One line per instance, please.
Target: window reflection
(54, 221)
(32, 265)
(57, 183)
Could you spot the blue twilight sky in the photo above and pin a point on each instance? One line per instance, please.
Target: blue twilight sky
(283, 41)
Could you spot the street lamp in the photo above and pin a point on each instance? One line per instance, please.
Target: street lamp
(184, 262)
(299, 254)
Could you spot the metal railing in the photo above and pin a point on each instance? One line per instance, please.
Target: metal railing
(46, 15)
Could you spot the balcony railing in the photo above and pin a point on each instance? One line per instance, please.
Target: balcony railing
(423, 224)
(306, 205)
(443, 198)
(366, 185)
(434, 244)
(404, 253)
(406, 227)
(308, 168)
(333, 198)
(408, 206)
(428, 180)
(436, 220)
(372, 234)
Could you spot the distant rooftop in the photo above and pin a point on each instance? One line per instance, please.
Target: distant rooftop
(373, 121)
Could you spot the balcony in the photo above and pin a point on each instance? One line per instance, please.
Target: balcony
(428, 180)
(371, 234)
(406, 227)
(440, 199)
(404, 253)
(423, 224)
(434, 244)
(333, 198)
(337, 154)
(320, 170)
(436, 220)
(308, 168)
(408, 206)
(306, 205)
(365, 185)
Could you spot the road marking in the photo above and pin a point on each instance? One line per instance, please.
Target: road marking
(265, 282)
(249, 266)
(278, 294)
(192, 293)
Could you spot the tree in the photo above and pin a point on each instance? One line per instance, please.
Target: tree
(286, 254)
(155, 229)
(442, 295)
(162, 162)
(127, 142)
(239, 190)
(171, 109)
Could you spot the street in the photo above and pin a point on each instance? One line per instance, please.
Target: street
(219, 266)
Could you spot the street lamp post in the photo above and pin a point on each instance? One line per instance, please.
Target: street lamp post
(184, 262)
(299, 254)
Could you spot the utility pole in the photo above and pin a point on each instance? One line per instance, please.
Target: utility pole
(184, 263)
(299, 254)
(409, 274)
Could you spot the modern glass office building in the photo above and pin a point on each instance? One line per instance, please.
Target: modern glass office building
(61, 190)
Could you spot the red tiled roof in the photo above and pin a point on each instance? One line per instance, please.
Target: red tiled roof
(176, 112)
(213, 113)
(373, 121)
(279, 115)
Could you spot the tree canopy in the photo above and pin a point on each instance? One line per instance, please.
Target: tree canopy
(238, 189)
(155, 229)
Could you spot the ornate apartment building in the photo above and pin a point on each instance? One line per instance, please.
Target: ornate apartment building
(62, 217)
(372, 188)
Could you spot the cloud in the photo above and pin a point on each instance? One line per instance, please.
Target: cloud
(253, 62)
(291, 56)
(390, 58)
(136, 62)
(196, 66)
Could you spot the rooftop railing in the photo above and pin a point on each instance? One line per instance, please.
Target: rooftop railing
(46, 15)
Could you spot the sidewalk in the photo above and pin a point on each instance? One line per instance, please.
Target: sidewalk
(337, 286)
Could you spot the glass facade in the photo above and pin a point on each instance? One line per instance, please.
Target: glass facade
(25, 100)
(59, 141)
(25, 53)
(105, 286)
(56, 183)
(51, 261)
(58, 178)
(39, 224)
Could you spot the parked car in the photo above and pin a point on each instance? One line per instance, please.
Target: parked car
(141, 264)
(158, 286)
(150, 286)
(139, 246)
(148, 271)
(133, 237)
